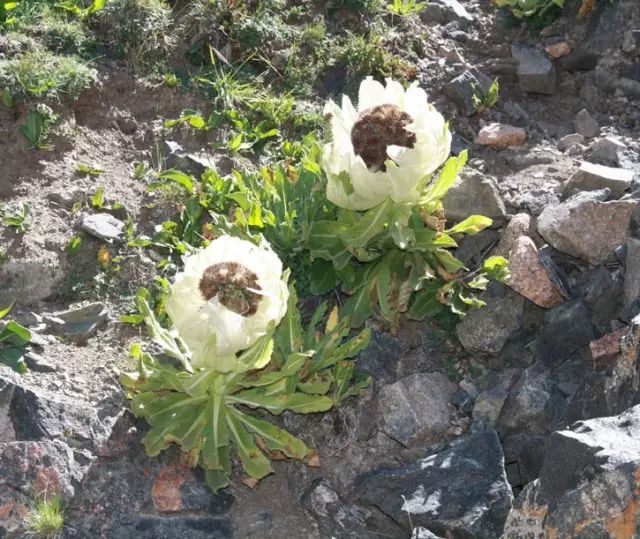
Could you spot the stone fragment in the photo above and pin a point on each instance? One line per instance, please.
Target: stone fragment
(486, 330)
(568, 141)
(566, 329)
(557, 47)
(501, 136)
(518, 225)
(524, 411)
(586, 227)
(166, 488)
(632, 272)
(462, 489)
(529, 277)
(607, 151)
(31, 278)
(103, 226)
(586, 125)
(592, 177)
(415, 409)
(462, 88)
(536, 73)
(455, 11)
(78, 323)
(605, 351)
(489, 403)
(474, 193)
(588, 482)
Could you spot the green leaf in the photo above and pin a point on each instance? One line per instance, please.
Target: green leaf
(449, 262)
(20, 331)
(316, 384)
(74, 245)
(216, 479)
(253, 460)
(177, 177)
(471, 225)
(97, 200)
(4, 312)
(359, 306)
(14, 358)
(323, 277)
(276, 404)
(288, 336)
(425, 302)
(274, 438)
(334, 354)
(497, 268)
(447, 177)
(371, 224)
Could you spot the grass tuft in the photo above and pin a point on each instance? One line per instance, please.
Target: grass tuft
(46, 520)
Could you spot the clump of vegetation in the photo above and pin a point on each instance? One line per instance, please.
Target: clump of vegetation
(534, 11)
(14, 340)
(404, 8)
(139, 31)
(46, 520)
(367, 7)
(40, 73)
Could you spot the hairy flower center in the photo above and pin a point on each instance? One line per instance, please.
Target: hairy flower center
(379, 127)
(234, 285)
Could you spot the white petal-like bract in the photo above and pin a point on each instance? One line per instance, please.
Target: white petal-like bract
(214, 332)
(351, 184)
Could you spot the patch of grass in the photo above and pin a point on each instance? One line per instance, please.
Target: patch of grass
(46, 520)
(140, 31)
(39, 73)
(368, 7)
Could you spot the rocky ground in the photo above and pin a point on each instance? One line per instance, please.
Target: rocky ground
(522, 422)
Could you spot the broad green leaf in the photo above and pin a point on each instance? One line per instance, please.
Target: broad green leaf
(20, 331)
(275, 439)
(14, 358)
(447, 177)
(216, 479)
(359, 306)
(371, 224)
(179, 178)
(449, 262)
(4, 312)
(276, 404)
(253, 460)
(471, 225)
(334, 354)
(425, 302)
(97, 200)
(316, 384)
(257, 356)
(288, 337)
(323, 277)
(497, 268)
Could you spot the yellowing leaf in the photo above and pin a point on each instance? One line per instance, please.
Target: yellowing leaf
(104, 257)
(332, 320)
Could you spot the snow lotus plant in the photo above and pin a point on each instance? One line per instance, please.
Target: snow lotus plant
(238, 345)
(389, 245)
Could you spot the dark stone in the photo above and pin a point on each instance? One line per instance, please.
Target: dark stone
(603, 295)
(200, 527)
(461, 490)
(525, 454)
(611, 392)
(526, 407)
(567, 328)
(461, 89)
(197, 496)
(630, 71)
(588, 481)
(536, 73)
(579, 60)
(380, 359)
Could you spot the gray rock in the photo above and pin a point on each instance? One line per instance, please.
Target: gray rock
(569, 140)
(454, 10)
(592, 177)
(102, 225)
(461, 490)
(37, 363)
(631, 41)
(485, 331)
(586, 125)
(461, 89)
(523, 456)
(434, 14)
(78, 324)
(536, 73)
(489, 403)
(588, 481)
(566, 329)
(415, 408)
(632, 272)
(607, 151)
(612, 391)
(630, 71)
(473, 194)
(586, 227)
(423, 533)
(525, 410)
(31, 278)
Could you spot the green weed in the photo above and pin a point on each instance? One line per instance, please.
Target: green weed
(46, 520)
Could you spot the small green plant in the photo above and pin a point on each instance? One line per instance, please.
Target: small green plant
(36, 128)
(18, 220)
(14, 340)
(97, 199)
(530, 9)
(5, 9)
(40, 73)
(483, 101)
(46, 520)
(75, 7)
(89, 170)
(74, 245)
(404, 8)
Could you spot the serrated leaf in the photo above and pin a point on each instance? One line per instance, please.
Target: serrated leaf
(371, 224)
(276, 404)
(316, 384)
